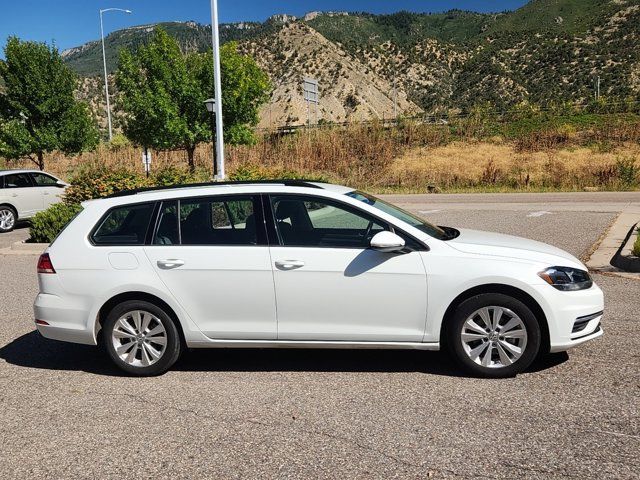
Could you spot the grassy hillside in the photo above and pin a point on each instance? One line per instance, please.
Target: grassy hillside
(546, 53)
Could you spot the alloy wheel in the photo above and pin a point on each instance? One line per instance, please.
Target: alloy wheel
(139, 338)
(494, 337)
(7, 219)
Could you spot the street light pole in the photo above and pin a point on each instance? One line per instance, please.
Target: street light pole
(104, 62)
(217, 81)
(211, 108)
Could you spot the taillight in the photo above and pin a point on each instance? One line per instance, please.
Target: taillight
(45, 265)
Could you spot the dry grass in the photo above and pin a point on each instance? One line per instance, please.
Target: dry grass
(413, 158)
(460, 165)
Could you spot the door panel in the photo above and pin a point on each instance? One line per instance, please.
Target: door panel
(212, 255)
(350, 295)
(331, 286)
(47, 186)
(22, 194)
(227, 290)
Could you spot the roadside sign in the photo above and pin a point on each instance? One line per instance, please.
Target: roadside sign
(310, 90)
(146, 161)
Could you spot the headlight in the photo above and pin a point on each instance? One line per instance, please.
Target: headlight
(565, 278)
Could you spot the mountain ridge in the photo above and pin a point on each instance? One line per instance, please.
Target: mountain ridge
(370, 66)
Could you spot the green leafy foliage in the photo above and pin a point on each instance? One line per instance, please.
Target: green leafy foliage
(636, 245)
(102, 182)
(163, 90)
(38, 111)
(248, 172)
(91, 182)
(46, 225)
(179, 176)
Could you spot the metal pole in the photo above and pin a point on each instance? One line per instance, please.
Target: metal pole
(217, 80)
(213, 139)
(106, 79)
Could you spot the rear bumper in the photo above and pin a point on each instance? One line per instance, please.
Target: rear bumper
(65, 334)
(64, 322)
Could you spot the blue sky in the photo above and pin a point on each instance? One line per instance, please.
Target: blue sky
(69, 23)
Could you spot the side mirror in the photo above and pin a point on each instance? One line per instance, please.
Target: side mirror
(387, 242)
(61, 184)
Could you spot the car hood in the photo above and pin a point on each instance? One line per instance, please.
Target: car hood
(500, 245)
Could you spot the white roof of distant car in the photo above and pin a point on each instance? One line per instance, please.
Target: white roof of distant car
(4, 172)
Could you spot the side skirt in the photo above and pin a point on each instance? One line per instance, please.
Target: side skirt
(312, 344)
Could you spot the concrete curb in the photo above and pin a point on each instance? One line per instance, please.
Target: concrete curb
(624, 260)
(602, 259)
(23, 248)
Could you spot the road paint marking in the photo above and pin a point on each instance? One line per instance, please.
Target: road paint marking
(539, 214)
(428, 211)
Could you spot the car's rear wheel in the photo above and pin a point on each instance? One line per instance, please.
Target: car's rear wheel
(494, 335)
(141, 338)
(8, 219)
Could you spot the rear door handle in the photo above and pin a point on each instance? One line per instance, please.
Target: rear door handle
(289, 264)
(170, 263)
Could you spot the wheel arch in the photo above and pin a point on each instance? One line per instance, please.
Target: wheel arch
(509, 290)
(136, 295)
(12, 207)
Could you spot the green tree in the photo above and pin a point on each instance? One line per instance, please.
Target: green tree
(38, 111)
(162, 91)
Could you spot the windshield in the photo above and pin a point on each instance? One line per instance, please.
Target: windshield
(410, 218)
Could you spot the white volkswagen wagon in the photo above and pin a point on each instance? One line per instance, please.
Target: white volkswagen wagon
(23, 193)
(304, 265)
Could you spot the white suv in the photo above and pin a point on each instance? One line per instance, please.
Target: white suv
(23, 193)
(304, 265)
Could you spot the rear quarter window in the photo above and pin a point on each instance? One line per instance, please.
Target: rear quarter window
(125, 225)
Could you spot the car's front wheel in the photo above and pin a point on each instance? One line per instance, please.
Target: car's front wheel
(141, 338)
(8, 219)
(494, 335)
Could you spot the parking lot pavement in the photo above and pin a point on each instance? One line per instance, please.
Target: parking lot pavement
(65, 412)
(20, 234)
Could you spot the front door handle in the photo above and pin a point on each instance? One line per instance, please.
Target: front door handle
(170, 263)
(289, 264)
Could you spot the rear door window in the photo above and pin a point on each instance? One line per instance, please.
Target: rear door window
(126, 225)
(219, 220)
(17, 180)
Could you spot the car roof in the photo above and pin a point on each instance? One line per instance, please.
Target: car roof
(219, 188)
(256, 184)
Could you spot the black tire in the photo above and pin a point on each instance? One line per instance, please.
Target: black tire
(173, 345)
(6, 209)
(454, 331)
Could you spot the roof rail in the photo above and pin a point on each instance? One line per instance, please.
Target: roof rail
(287, 183)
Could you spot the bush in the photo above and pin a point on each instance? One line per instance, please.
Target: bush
(89, 184)
(636, 246)
(249, 172)
(171, 175)
(46, 225)
(119, 142)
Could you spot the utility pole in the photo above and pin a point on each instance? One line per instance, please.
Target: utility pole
(395, 99)
(104, 62)
(217, 80)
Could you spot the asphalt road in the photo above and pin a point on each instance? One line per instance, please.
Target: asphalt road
(65, 412)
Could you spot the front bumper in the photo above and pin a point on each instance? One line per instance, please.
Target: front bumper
(564, 309)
